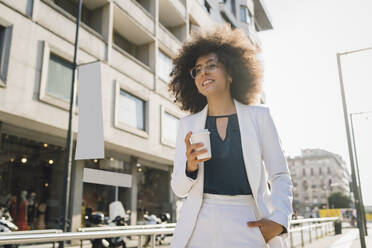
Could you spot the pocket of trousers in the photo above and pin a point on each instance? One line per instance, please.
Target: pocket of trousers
(257, 229)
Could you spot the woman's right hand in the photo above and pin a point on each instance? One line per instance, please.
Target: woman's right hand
(192, 153)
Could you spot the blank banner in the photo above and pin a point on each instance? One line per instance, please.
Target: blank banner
(90, 143)
(107, 178)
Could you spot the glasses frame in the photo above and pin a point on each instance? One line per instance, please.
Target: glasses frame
(205, 68)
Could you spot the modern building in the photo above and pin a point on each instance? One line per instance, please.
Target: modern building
(315, 175)
(134, 41)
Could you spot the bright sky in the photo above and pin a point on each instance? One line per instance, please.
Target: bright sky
(301, 77)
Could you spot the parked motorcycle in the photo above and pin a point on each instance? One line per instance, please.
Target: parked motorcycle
(153, 220)
(117, 217)
(6, 224)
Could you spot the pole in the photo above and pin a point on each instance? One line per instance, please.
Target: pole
(360, 184)
(69, 140)
(353, 176)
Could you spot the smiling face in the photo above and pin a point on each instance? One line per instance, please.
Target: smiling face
(211, 78)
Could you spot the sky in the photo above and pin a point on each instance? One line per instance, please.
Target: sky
(301, 79)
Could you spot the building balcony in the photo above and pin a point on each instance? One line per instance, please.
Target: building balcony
(261, 15)
(53, 17)
(23, 6)
(167, 40)
(127, 64)
(137, 13)
(198, 14)
(132, 40)
(172, 16)
(227, 14)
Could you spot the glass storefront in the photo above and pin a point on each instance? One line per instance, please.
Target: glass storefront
(32, 179)
(31, 184)
(153, 191)
(98, 196)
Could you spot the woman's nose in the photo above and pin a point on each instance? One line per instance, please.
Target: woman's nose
(203, 72)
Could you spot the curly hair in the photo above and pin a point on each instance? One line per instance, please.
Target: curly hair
(237, 54)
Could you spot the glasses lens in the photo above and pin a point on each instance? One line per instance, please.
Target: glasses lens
(193, 73)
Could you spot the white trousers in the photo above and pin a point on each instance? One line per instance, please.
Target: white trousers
(222, 223)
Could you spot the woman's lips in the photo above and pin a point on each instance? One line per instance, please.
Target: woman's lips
(207, 82)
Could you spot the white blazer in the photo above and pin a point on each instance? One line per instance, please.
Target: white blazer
(264, 162)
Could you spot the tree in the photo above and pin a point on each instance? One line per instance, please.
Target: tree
(338, 200)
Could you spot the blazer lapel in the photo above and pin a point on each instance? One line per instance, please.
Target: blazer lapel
(200, 124)
(250, 147)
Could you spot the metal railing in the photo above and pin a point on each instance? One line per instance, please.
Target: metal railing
(321, 228)
(51, 236)
(31, 232)
(132, 227)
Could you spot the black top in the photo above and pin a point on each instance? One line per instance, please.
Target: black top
(225, 173)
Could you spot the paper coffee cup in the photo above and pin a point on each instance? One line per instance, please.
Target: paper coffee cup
(202, 137)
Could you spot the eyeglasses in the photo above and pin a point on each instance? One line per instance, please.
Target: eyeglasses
(210, 66)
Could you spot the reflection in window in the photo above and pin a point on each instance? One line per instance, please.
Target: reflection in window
(164, 66)
(59, 77)
(169, 127)
(245, 15)
(31, 170)
(5, 44)
(131, 110)
(153, 192)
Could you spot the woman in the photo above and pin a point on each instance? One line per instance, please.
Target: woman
(241, 196)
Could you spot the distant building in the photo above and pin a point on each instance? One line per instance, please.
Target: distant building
(315, 175)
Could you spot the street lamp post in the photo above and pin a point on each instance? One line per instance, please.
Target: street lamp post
(351, 156)
(357, 167)
(69, 141)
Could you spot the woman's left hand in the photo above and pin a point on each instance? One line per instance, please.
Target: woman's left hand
(268, 228)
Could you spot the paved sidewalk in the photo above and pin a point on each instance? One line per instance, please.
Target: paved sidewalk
(348, 239)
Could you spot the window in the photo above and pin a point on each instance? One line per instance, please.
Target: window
(164, 66)
(245, 15)
(5, 43)
(233, 7)
(28, 165)
(2, 35)
(312, 171)
(169, 128)
(56, 76)
(320, 171)
(131, 110)
(303, 172)
(328, 170)
(304, 185)
(59, 77)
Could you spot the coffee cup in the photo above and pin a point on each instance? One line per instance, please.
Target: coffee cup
(202, 136)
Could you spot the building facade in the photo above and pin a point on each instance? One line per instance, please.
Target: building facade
(134, 41)
(315, 175)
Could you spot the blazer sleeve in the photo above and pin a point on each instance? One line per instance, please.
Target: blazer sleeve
(278, 173)
(180, 182)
